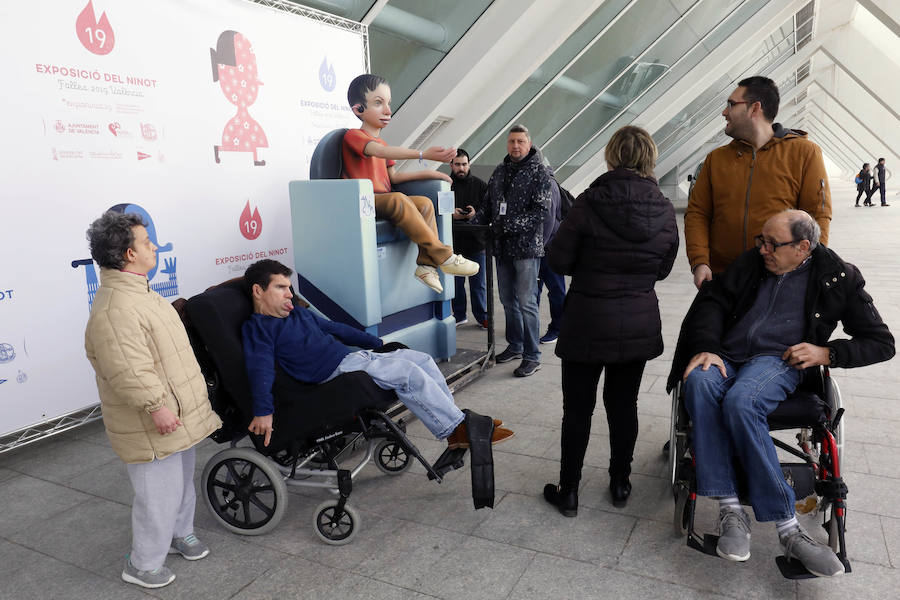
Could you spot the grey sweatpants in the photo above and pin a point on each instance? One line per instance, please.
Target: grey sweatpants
(163, 507)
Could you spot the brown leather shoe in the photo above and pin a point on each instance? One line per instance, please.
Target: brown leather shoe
(460, 438)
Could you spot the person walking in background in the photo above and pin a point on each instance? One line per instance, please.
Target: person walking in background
(863, 181)
(618, 240)
(879, 172)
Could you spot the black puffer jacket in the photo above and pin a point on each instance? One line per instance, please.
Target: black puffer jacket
(835, 293)
(524, 189)
(617, 241)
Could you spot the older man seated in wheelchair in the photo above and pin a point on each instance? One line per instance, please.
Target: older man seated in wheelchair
(310, 349)
(743, 348)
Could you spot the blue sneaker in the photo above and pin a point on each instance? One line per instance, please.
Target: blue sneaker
(550, 337)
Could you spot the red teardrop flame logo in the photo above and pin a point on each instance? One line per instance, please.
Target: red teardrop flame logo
(251, 224)
(96, 36)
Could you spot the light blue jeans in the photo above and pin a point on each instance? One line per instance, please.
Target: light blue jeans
(517, 284)
(729, 420)
(417, 381)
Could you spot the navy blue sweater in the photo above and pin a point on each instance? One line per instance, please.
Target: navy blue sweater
(301, 344)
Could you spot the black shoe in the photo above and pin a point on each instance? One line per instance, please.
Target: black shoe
(885, 204)
(620, 488)
(527, 368)
(507, 355)
(564, 498)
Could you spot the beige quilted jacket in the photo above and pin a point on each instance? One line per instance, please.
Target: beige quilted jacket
(143, 359)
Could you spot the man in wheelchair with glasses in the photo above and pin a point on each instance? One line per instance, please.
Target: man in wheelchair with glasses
(743, 348)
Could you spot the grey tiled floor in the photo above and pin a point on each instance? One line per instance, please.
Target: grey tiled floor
(64, 521)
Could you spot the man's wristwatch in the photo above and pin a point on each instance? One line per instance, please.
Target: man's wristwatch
(832, 357)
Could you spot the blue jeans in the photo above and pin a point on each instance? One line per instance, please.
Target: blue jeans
(729, 420)
(517, 284)
(556, 294)
(476, 289)
(417, 381)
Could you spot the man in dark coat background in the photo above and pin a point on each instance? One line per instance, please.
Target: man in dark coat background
(518, 199)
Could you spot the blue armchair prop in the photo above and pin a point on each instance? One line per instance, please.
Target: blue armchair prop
(359, 270)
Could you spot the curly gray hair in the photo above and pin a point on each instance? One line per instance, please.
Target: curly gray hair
(110, 236)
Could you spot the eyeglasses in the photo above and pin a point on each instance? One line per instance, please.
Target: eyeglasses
(732, 103)
(771, 246)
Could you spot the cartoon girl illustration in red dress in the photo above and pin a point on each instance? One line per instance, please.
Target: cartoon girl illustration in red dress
(234, 67)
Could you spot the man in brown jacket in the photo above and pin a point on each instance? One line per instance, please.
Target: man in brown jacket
(154, 398)
(763, 171)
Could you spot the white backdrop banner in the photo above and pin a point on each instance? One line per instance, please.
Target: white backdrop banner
(192, 113)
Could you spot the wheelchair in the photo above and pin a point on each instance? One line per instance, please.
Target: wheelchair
(815, 410)
(315, 428)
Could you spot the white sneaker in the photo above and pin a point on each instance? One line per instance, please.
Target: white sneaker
(457, 265)
(429, 276)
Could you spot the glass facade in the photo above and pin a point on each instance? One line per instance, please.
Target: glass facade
(777, 48)
(624, 57)
(409, 38)
(670, 58)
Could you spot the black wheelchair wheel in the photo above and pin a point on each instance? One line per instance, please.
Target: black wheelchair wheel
(244, 490)
(332, 529)
(682, 518)
(676, 447)
(392, 458)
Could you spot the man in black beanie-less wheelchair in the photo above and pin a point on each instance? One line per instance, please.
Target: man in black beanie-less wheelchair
(312, 349)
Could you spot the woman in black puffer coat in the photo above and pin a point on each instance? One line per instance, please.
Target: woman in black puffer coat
(618, 240)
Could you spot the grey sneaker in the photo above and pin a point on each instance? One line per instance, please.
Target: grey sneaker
(156, 578)
(818, 558)
(734, 535)
(189, 547)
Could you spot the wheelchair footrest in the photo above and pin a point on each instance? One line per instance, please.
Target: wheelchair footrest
(794, 569)
(450, 460)
(708, 546)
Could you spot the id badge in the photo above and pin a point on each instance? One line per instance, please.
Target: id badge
(503, 208)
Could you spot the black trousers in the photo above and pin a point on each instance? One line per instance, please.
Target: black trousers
(620, 392)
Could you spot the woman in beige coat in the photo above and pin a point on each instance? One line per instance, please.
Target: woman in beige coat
(154, 399)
